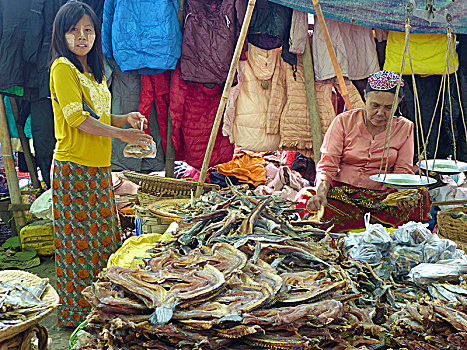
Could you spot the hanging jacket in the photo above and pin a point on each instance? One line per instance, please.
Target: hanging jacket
(156, 88)
(13, 23)
(270, 28)
(193, 108)
(290, 117)
(209, 38)
(141, 34)
(254, 101)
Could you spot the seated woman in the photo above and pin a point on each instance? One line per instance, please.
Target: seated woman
(351, 152)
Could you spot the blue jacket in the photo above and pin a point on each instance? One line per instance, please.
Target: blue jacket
(141, 34)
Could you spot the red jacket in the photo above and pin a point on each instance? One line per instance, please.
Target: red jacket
(193, 109)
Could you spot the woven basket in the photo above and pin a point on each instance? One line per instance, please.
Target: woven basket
(28, 279)
(453, 229)
(146, 199)
(152, 223)
(153, 184)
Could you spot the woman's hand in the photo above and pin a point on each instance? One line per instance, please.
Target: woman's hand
(406, 205)
(135, 137)
(135, 119)
(316, 202)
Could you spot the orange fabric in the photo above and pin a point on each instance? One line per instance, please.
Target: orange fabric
(246, 166)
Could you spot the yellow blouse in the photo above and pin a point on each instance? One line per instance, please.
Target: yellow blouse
(70, 87)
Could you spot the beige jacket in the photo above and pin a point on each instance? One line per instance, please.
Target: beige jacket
(292, 120)
(253, 104)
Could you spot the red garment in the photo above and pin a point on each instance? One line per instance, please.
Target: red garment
(193, 108)
(347, 206)
(156, 87)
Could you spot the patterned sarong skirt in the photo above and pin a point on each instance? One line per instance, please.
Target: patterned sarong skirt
(86, 233)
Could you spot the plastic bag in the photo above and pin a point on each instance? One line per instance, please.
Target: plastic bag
(136, 151)
(412, 234)
(366, 253)
(374, 234)
(405, 258)
(438, 249)
(42, 206)
(444, 270)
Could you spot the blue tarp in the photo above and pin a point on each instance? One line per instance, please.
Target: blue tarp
(386, 14)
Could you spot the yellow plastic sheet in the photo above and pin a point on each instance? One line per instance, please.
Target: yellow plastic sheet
(135, 247)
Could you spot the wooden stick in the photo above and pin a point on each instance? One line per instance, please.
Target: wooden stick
(10, 170)
(332, 53)
(225, 95)
(312, 103)
(453, 202)
(30, 163)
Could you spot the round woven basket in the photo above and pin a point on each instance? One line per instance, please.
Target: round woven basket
(29, 280)
(453, 229)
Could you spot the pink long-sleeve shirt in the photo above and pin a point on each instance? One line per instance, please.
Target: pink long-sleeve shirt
(351, 155)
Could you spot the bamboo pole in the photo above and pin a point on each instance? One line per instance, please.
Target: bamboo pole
(225, 95)
(30, 163)
(10, 170)
(312, 103)
(332, 53)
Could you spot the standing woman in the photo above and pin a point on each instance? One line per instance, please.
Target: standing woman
(85, 218)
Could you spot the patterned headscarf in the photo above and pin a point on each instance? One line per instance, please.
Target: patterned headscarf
(384, 81)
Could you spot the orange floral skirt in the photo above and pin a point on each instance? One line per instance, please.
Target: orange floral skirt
(86, 233)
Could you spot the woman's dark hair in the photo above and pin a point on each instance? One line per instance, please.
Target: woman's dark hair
(68, 15)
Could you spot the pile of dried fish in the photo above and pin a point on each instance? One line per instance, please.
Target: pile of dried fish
(18, 302)
(220, 297)
(246, 273)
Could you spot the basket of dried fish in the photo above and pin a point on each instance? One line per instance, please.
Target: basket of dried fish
(452, 224)
(158, 185)
(25, 299)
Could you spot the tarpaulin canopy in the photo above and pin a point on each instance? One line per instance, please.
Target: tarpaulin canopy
(386, 14)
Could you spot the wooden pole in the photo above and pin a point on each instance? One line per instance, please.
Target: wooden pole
(170, 150)
(312, 103)
(26, 149)
(332, 53)
(10, 170)
(225, 95)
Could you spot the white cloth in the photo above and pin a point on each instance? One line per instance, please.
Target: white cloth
(298, 32)
(355, 49)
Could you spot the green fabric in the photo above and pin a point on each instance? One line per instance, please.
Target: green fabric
(11, 121)
(14, 90)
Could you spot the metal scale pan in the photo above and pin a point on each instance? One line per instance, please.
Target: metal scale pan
(403, 181)
(443, 166)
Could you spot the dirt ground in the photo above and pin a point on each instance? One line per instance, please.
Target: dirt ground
(60, 335)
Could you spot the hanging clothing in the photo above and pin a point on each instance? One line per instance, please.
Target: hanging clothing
(156, 88)
(324, 97)
(349, 154)
(210, 34)
(13, 24)
(355, 51)
(86, 233)
(270, 28)
(141, 34)
(298, 32)
(193, 108)
(348, 204)
(292, 122)
(428, 88)
(126, 98)
(254, 104)
(428, 52)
